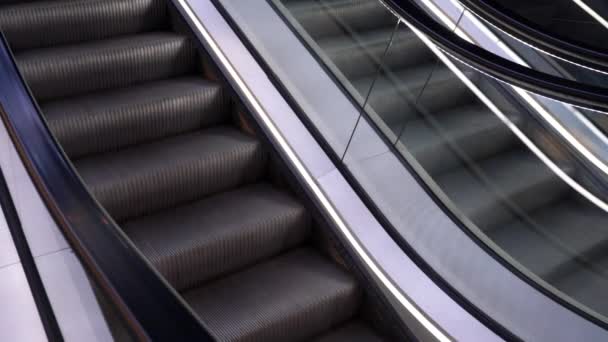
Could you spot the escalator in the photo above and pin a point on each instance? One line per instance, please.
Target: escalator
(491, 177)
(166, 149)
(564, 19)
(564, 34)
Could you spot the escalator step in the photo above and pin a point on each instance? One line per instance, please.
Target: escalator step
(357, 56)
(352, 332)
(433, 141)
(292, 297)
(116, 118)
(394, 94)
(220, 234)
(335, 17)
(360, 56)
(518, 177)
(73, 21)
(390, 97)
(550, 238)
(165, 173)
(77, 69)
(587, 284)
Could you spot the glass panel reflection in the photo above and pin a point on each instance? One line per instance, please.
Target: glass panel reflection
(574, 20)
(494, 154)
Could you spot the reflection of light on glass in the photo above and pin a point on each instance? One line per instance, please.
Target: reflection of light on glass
(473, 18)
(446, 19)
(521, 135)
(527, 97)
(591, 12)
(582, 118)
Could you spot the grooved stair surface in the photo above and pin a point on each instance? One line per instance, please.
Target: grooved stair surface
(155, 143)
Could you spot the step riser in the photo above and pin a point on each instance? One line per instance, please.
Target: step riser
(336, 20)
(524, 202)
(364, 61)
(65, 22)
(297, 306)
(450, 152)
(407, 101)
(128, 187)
(68, 73)
(82, 129)
(268, 224)
(444, 158)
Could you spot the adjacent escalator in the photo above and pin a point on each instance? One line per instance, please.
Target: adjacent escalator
(564, 18)
(471, 155)
(167, 151)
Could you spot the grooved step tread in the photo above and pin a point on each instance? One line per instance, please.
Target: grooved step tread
(282, 299)
(74, 21)
(400, 96)
(144, 178)
(550, 238)
(360, 56)
(56, 72)
(207, 239)
(441, 142)
(335, 17)
(431, 87)
(353, 331)
(111, 119)
(518, 177)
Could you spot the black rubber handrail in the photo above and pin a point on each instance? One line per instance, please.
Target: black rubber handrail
(536, 36)
(149, 307)
(560, 89)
